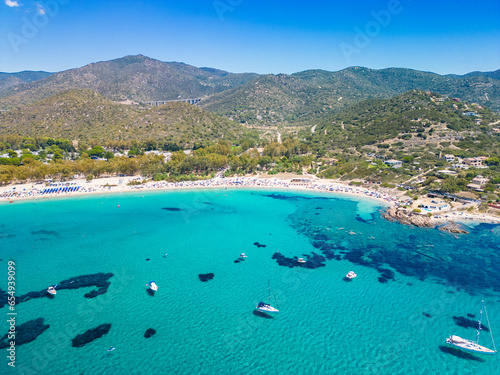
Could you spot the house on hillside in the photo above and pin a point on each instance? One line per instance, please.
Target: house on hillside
(394, 163)
(478, 183)
(474, 162)
(449, 158)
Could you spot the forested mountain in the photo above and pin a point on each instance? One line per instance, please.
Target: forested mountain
(301, 98)
(495, 74)
(12, 79)
(135, 78)
(85, 115)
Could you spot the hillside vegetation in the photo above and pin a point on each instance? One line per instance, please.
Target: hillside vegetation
(83, 115)
(414, 118)
(303, 98)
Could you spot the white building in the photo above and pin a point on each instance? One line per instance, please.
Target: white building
(394, 163)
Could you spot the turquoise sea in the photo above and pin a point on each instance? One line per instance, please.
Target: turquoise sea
(414, 287)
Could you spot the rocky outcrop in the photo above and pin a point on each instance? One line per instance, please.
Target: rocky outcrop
(407, 217)
(452, 228)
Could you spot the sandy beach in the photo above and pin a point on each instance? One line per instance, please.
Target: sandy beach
(108, 185)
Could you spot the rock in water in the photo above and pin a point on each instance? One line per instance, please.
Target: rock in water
(149, 332)
(25, 333)
(453, 228)
(90, 335)
(206, 276)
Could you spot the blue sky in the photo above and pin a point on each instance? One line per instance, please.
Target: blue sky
(253, 35)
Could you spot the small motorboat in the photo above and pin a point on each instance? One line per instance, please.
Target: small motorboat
(351, 275)
(242, 255)
(153, 286)
(52, 290)
(301, 260)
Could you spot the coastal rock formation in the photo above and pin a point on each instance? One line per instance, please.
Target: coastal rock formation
(25, 333)
(90, 335)
(408, 217)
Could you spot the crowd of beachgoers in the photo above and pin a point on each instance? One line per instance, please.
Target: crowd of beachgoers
(29, 191)
(119, 185)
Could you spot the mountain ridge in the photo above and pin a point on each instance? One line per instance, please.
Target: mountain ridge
(136, 78)
(306, 96)
(297, 99)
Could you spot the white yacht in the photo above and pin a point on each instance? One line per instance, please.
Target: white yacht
(301, 260)
(153, 286)
(351, 275)
(52, 290)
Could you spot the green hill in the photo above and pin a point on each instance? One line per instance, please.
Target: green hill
(302, 98)
(136, 78)
(85, 115)
(412, 119)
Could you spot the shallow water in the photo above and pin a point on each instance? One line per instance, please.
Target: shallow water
(393, 318)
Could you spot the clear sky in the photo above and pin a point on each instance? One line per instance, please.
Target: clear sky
(253, 35)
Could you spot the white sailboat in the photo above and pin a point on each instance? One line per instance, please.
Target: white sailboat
(470, 345)
(266, 307)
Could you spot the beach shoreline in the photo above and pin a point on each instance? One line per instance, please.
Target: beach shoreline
(116, 185)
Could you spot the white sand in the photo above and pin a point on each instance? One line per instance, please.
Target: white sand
(12, 193)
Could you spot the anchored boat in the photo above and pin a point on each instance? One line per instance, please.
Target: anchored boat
(52, 290)
(470, 345)
(153, 286)
(266, 307)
